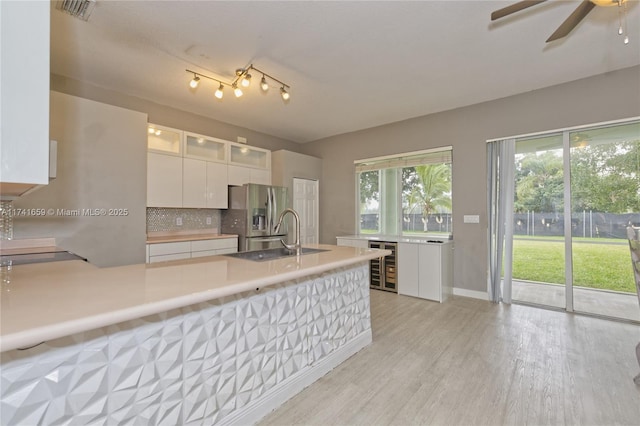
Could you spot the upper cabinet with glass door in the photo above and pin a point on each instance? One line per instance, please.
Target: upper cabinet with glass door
(164, 140)
(205, 148)
(249, 156)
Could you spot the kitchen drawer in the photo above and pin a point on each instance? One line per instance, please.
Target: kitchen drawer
(353, 242)
(215, 244)
(170, 248)
(204, 253)
(165, 257)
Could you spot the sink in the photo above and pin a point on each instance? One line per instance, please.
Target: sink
(271, 254)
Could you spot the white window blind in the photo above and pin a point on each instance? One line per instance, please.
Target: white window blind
(410, 159)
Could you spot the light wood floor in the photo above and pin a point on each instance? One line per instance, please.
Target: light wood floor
(470, 362)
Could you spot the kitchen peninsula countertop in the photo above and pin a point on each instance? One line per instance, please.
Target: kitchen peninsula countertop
(44, 301)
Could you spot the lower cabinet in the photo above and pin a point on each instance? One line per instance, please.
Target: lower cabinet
(161, 252)
(425, 270)
(352, 242)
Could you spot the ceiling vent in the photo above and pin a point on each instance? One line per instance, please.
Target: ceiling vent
(79, 8)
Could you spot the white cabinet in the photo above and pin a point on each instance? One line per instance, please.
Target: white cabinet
(185, 169)
(169, 251)
(161, 252)
(194, 183)
(212, 247)
(204, 184)
(352, 242)
(164, 140)
(217, 180)
(24, 83)
(164, 180)
(249, 165)
(425, 270)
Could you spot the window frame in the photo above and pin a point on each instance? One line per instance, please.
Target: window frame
(397, 162)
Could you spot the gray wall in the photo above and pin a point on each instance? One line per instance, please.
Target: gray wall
(171, 117)
(611, 96)
(286, 165)
(102, 153)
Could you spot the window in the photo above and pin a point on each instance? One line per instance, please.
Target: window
(407, 194)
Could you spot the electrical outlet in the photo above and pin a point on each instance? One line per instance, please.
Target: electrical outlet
(208, 220)
(179, 221)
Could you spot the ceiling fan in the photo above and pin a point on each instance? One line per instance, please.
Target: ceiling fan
(572, 21)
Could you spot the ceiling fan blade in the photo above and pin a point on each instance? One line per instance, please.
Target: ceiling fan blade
(574, 19)
(516, 7)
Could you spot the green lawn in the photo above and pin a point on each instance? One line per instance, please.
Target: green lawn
(595, 263)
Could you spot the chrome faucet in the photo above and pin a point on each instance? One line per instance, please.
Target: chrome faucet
(296, 246)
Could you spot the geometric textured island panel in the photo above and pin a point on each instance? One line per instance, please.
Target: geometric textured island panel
(194, 365)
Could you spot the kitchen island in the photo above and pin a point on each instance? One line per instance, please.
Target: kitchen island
(207, 340)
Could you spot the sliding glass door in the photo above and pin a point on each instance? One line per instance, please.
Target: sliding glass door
(575, 193)
(605, 199)
(538, 275)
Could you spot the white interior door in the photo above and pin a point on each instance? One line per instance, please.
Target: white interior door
(305, 202)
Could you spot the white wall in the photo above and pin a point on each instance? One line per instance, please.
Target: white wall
(605, 97)
(102, 153)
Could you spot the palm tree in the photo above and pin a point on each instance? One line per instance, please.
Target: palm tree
(432, 191)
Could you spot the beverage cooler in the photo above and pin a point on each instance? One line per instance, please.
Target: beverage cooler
(384, 271)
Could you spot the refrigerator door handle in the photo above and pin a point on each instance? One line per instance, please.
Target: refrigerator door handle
(269, 211)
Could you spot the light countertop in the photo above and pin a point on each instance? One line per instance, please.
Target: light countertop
(427, 239)
(48, 300)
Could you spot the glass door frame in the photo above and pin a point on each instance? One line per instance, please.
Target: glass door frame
(567, 206)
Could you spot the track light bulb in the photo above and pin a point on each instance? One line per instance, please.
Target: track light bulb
(219, 93)
(263, 84)
(194, 82)
(284, 94)
(246, 81)
(237, 91)
(626, 40)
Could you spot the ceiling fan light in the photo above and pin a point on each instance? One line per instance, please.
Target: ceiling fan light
(263, 84)
(219, 94)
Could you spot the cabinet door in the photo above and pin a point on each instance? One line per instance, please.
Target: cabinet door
(408, 269)
(217, 190)
(164, 140)
(238, 175)
(352, 242)
(194, 183)
(260, 176)
(24, 116)
(164, 180)
(430, 272)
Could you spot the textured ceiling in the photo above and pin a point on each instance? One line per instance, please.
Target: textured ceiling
(350, 65)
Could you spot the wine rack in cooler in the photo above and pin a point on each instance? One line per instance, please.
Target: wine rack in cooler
(383, 271)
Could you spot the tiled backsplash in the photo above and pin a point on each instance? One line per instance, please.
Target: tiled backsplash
(160, 219)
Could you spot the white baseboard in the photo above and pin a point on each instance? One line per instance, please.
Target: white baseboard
(482, 295)
(286, 390)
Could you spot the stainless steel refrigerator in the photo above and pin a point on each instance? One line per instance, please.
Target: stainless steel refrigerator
(253, 214)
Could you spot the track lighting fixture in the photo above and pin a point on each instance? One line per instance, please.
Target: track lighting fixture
(236, 90)
(219, 93)
(242, 80)
(246, 81)
(284, 94)
(194, 82)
